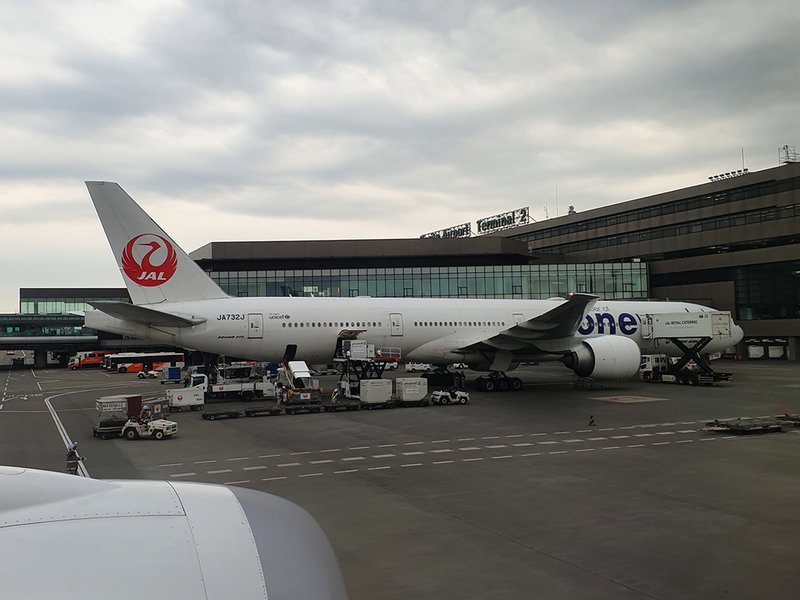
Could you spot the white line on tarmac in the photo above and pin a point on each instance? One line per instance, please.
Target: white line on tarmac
(236, 482)
(171, 465)
(189, 474)
(559, 452)
(274, 478)
(321, 462)
(660, 443)
(443, 462)
(255, 468)
(349, 458)
(291, 464)
(332, 450)
(636, 445)
(439, 441)
(379, 468)
(532, 454)
(412, 453)
(310, 475)
(361, 447)
(505, 456)
(412, 465)
(270, 455)
(471, 459)
(385, 455)
(346, 471)
(204, 462)
(585, 450)
(218, 471)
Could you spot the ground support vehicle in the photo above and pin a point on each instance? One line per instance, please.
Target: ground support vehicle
(245, 390)
(147, 374)
(157, 429)
(171, 375)
(449, 397)
(658, 368)
(413, 367)
(497, 382)
(747, 426)
(114, 412)
(296, 390)
(180, 398)
(339, 401)
(411, 391)
(93, 358)
(376, 393)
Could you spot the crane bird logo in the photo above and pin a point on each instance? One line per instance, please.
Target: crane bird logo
(144, 271)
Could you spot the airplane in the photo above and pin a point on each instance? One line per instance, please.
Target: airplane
(175, 302)
(63, 536)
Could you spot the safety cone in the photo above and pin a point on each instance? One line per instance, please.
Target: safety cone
(591, 421)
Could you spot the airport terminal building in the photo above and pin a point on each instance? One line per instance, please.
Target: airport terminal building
(732, 243)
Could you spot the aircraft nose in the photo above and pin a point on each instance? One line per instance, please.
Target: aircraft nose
(737, 334)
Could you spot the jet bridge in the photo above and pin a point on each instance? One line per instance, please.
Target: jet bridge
(690, 333)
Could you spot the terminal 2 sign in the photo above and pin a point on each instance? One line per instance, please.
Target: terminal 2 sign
(512, 218)
(506, 220)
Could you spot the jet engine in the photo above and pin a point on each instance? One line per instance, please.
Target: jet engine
(604, 357)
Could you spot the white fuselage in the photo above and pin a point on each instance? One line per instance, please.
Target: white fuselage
(426, 330)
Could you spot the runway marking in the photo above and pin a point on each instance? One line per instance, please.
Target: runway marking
(412, 453)
(583, 431)
(236, 482)
(189, 474)
(387, 445)
(204, 462)
(439, 441)
(642, 435)
(350, 458)
(332, 450)
(610, 448)
(346, 471)
(660, 443)
(573, 441)
(522, 444)
(255, 468)
(291, 464)
(440, 450)
(443, 462)
(465, 439)
(585, 450)
(607, 429)
(171, 465)
(299, 453)
(542, 433)
(468, 448)
(496, 446)
(413, 443)
(274, 478)
(684, 441)
(619, 437)
(636, 445)
(516, 435)
(360, 447)
(596, 439)
(270, 455)
(218, 471)
(412, 465)
(563, 432)
(547, 442)
(379, 468)
(559, 452)
(665, 433)
(384, 455)
(310, 475)
(239, 458)
(321, 462)
(471, 459)
(532, 454)
(491, 437)
(505, 456)
(687, 430)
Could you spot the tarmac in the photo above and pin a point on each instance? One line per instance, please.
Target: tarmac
(513, 495)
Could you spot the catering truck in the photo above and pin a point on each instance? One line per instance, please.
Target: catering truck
(232, 381)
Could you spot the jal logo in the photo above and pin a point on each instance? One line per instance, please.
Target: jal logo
(149, 260)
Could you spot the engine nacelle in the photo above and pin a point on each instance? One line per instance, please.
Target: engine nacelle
(604, 357)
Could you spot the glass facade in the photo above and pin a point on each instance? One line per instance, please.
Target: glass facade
(56, 305)
(42, 325)
(609, 281)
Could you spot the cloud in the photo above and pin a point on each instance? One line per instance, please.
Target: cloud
(369, 119)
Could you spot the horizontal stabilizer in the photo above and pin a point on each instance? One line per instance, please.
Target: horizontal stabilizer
(144, 316)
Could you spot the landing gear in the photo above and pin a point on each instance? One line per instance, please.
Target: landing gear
(497, 382)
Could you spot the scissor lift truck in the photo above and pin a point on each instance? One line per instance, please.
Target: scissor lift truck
(690, 333)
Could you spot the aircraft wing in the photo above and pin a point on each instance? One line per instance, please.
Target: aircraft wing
(64, 536)
(561, 322)
(143, 315)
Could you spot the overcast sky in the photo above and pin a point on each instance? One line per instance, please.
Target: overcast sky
(236, 120)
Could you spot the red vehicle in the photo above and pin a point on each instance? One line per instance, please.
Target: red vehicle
(134, 362)
(93, 358)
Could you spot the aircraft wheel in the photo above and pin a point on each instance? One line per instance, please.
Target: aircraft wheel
(516, 384)
(502, 385)
(489, 385)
